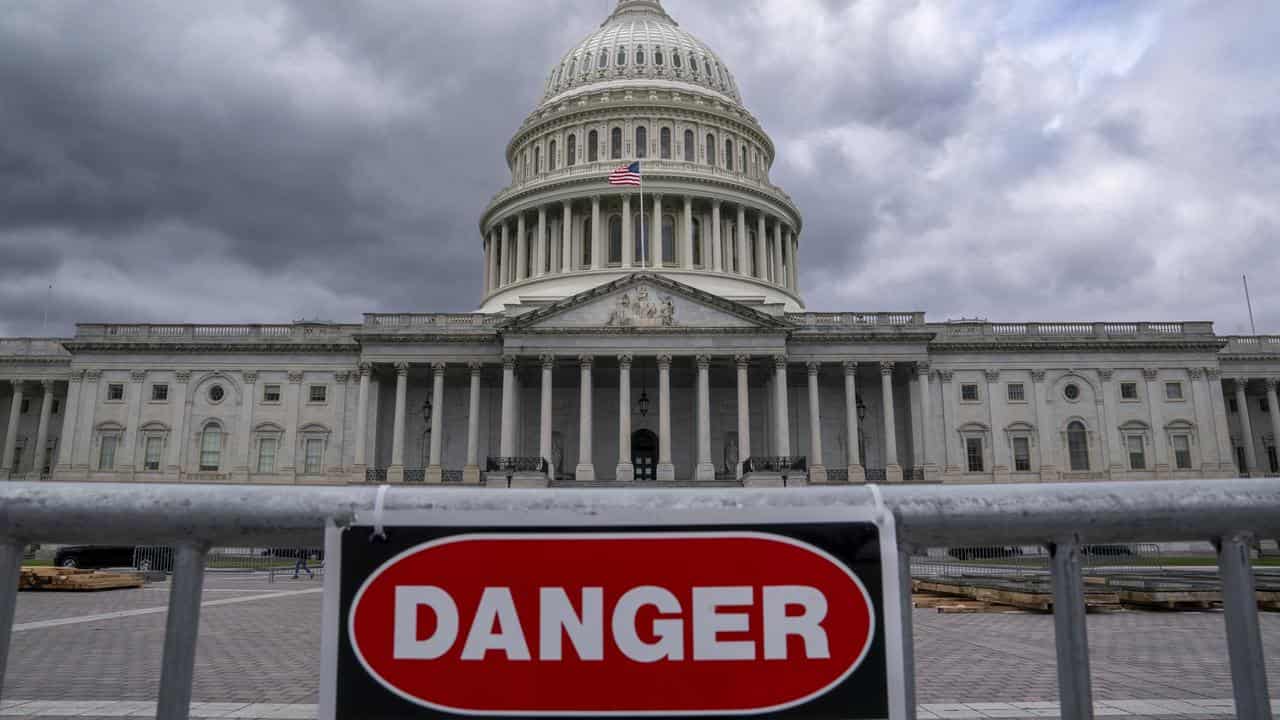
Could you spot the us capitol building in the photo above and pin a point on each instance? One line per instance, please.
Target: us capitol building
(611, 348)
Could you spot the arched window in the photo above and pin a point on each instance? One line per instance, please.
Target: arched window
(639, 55)
(615, 143)
(690, 147)
(537, 160)
(571, 150)
(641, 239)
(711, 149)
(675, 59)
(733, 248)
(668, 239)
(642, 142)
(603, 61)
(573, 65)
(693, 64)
(751, 252)
(622, 56)
(551, 156)
(706, 65)
(728, 155)
(1078, 446)
(593, 146)
(211, 448)
(586, 243)
(664, 143)
(743, 166)
(657, 57)
(615, 239)
(697, 242)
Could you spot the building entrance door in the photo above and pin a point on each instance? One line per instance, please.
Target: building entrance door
(644, 455)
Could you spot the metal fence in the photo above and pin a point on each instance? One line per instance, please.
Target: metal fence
(270, 561)
(1062, 518)
(1031, 560)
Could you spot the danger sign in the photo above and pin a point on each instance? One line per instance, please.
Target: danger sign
(767, 621)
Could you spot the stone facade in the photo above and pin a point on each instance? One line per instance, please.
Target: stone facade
(597, 356)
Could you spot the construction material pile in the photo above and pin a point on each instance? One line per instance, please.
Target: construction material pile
(73, 580)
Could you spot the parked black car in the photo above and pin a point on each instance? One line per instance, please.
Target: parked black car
(90, 557)
(1107, 550)
(984, 553)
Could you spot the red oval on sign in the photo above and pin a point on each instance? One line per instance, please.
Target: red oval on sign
(720, 623)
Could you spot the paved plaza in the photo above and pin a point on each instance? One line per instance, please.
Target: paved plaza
(98, 655)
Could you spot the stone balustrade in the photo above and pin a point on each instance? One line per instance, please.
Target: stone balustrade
(302, 332)
(967, 330)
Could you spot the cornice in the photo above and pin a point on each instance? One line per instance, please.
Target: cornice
(406, 338)
(897, 338)
(1246, 357)
(650, 332)
(223, 347)
(54, 361)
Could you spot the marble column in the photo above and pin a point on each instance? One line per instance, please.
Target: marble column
(996, 419)
(11, 430)
(1160, 440)
(950, 438)
(522, 248)
(1273, 408)
(743, 363)
(666, 469)
(762, 253)
(686, 244)
(507, 432)
(853, 455)
(706, 471)
(743, 242)
(128, 460)
(540, 259)
(435, 471)
(893, 471)
(788, 262)
(1112, 443)
(1045, 434)
(717, 253)
(504, 257)
(178, 435)
(42, 430)
(395, 473)
(471, 471)
(70, 413)
(1246, 426)
(776, 274)
(362, 422)
(566, 238)
(586, 471)
(781, 414)
(1218, 397)
(548, 363)
(817, 469)
(928, 428)
(244, 433)
(655, 233)
(628, 237)
(488, 250)
(597, 261)
(1204, 423)
(793, 244)
(626, 471)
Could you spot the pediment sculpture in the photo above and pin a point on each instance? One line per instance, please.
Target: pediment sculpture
(635, 308)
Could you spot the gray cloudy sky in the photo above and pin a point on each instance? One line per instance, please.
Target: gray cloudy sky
(269, 160)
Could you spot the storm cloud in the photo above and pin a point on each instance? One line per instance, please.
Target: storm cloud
(275, 160)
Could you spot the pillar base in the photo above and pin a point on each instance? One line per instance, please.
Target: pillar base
(763, 480)
(528, 481)
(932, 474)
(1049, 474)
(626, 472)
(666, 472)
(817, 475)
(1000, 474)
(471, 475)
(800, 479)
(497, 480)
(893, 474)
(585, 473)
(857, 475)
(434, 475)
(395, 474)
(705, 472)
(1162, 471)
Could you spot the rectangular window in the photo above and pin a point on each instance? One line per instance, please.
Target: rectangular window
(1128, 391)
(1021, 454)
(115, 391)
(314, 447)
(1137, 452)
(969, 392)
(159, 393)
(270, 393)
(267, 454)
(1017, 392)
(1173, 391)
(152, 456)
(1182, 451)
(210, 450)
(318, 393)
(973, 449)
(107, 455)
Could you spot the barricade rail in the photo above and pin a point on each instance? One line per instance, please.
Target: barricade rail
(1059, 517)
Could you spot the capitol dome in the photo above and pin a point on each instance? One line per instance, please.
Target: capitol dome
(640, 88)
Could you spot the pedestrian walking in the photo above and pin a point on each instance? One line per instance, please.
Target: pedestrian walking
(301, 564)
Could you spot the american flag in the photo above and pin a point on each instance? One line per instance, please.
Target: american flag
(626, 175)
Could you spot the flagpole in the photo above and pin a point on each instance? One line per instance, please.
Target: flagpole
(644, 238)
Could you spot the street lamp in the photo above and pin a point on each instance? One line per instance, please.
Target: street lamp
(643, 403)
(862, 409)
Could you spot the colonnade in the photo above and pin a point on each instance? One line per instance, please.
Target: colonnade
(1241, 397)
(549, 240)
(585, 469)
(15, 416)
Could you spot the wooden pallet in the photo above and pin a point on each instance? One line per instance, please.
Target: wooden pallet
(72, 580)
(1171, 599)
(1033, 596)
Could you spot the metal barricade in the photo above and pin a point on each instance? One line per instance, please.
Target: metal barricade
(1061, 518)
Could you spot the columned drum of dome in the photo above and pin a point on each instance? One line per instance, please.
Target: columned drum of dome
(641, 88)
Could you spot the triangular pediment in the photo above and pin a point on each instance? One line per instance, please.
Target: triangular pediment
(645, 302)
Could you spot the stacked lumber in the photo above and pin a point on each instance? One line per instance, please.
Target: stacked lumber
(1033, 594)
(73, 580)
